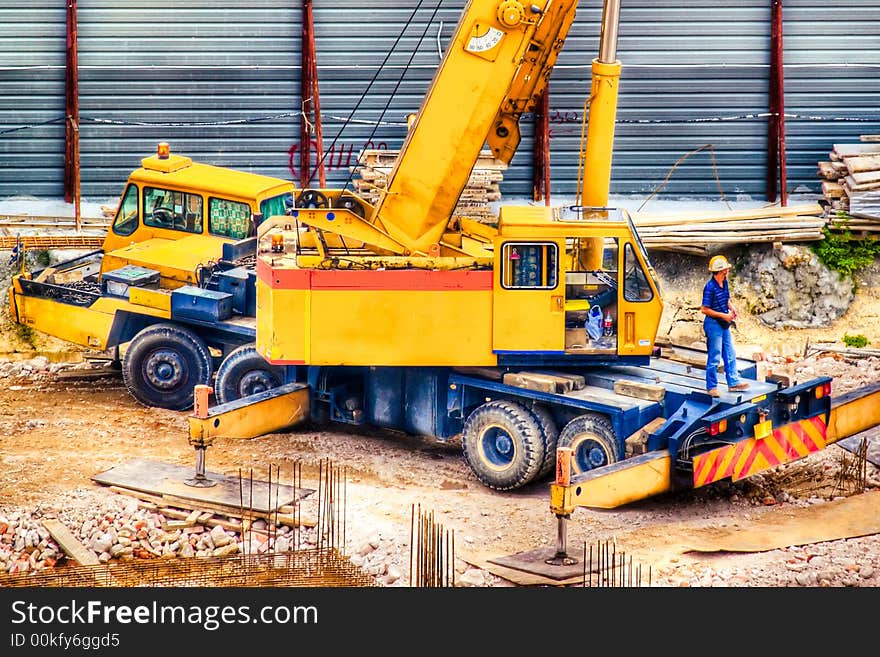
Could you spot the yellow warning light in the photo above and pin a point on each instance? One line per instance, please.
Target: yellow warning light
(163, 151)
(277, 243)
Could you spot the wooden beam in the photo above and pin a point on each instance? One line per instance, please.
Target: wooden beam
(673, 219)
(640, 390)
(69, 543)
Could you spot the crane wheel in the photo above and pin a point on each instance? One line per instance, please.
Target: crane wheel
(311, 199)
(592, 440)
(245, 372)
(503, 444)
(163, 364)
(550, 434)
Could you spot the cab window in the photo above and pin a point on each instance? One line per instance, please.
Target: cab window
(635, 282)
(173, 210)
(529, 265)
(126, 220)
(277, 205)
(230, 219)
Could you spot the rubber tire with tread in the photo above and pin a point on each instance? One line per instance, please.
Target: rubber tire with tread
(503, 444)
(181, 355)
(550, 433)
(592, 440)
(245, 372)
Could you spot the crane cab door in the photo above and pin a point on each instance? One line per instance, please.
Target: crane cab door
(640, 303)
(528, 297)
(591, 298)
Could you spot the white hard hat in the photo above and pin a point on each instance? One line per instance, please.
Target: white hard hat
(718, 263)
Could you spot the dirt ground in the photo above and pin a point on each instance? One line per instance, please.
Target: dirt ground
(57, 432)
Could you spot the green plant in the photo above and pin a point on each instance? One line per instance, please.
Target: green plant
(26, 335)
(857, 341)
(839, 251)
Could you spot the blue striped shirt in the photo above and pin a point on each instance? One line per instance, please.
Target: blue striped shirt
(716, 296)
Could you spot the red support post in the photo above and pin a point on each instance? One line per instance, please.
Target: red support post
(776, 165)
(310, 121)
(541, 149)
(71, 124)
(305, 137)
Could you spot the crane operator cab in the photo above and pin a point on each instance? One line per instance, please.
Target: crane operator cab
(589, 268)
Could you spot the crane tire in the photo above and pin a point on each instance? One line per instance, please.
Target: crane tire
(592, 440)
(163, 364)
(550, 434)
(245, 372)
(503, 444)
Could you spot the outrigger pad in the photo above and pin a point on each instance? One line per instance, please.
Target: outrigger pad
(158, 478)
(872, 445)
(535, 562)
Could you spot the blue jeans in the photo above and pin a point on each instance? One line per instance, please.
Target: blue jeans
(719, 344)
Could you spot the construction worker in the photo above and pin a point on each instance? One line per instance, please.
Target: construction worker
(720, 314)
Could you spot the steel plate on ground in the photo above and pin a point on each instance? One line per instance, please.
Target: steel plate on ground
(158, 478)
(872, 445)
(534, 561)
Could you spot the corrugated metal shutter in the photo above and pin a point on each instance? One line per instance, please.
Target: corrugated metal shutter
(32, 54)
(220, 82)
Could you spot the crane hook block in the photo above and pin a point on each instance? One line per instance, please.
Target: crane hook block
(511, 13)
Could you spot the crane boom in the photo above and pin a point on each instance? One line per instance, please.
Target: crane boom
(498, 62)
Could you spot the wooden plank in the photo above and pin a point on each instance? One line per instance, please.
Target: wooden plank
(637, 442)
(832, 189)
(530, 381)
(607, 397)
(828, 171)
(210, 522)
(491, 373)
(693, 381)
(864, 177)
(564, 382)
(236, 512)
(89, 374)
(850, 150)
(673, 219)
(198, 508)
(69, 543)
(606, 379)
(850, 184)
(576, 380)
(862, 163)
(640, 390)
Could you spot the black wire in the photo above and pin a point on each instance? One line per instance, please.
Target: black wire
(364, 94)
(33, 125)
(348, 120)
(399, 79)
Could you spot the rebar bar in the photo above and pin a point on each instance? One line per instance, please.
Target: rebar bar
(432, 551)
(304, 568)
(610, 567)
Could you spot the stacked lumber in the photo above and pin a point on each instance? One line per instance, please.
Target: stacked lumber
(483, 186)
(851, 185)
(704, 232)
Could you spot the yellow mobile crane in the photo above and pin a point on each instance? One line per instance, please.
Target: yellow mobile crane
(396, 314)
